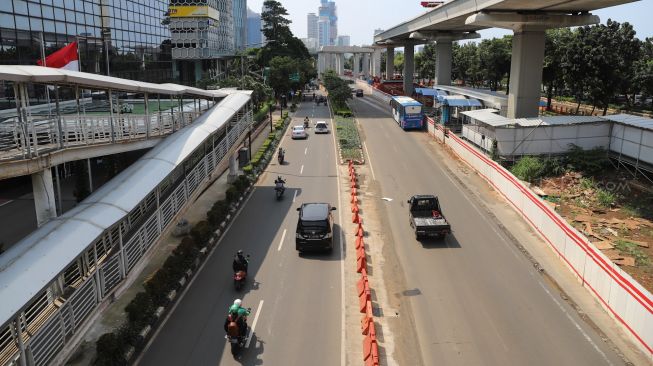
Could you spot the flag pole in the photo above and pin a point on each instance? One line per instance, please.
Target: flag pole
(47, 89)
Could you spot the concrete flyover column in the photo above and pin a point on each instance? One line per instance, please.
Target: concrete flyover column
(356, 65)
(443, 63)
(233, 169)
(526, 73)
(390, 63)
(44, 201)
(366, 65)
(409, 68)
(376, 63)
(341, 64)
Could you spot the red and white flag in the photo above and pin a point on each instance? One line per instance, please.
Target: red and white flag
(65, 58)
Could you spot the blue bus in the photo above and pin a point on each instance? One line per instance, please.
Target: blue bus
(407, 112)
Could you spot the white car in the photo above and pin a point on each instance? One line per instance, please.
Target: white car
(298, 132)
(321, 127)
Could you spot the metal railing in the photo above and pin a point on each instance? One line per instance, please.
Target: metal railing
(55, 319)
(37, 137)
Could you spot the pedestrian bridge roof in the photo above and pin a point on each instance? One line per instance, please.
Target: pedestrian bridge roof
(29, 266)
(49, 75)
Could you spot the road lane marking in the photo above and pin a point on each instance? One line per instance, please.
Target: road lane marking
(251, 329)
(294, 196)
(6, 202)
(190, 284)
(306, 151)
(573, 321)
(369, 159)
(301, 170)
(283, 237)
(343, 333)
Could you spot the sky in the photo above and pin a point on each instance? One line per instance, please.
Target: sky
(359, 18)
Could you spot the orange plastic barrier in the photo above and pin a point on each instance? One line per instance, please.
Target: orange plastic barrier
(361, 263)
(354, 199)
(354, 207)
(355, 218)
(354, 192)
(359, 242)
(360, 232)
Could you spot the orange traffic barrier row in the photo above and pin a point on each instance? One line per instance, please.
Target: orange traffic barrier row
(363, 299)
(354, 207)
(355, 218)
(354, 199)
(354, 191)
(359, 231)
(359, 242)
(360, 253)
(361, 263)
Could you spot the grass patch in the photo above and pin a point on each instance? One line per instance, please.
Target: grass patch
(605, 198)
(348, 138)
(627, 248)
(586, 183)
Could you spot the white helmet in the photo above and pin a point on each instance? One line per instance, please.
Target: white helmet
(237, 302)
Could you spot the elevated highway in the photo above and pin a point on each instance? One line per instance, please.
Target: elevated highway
(461, 19)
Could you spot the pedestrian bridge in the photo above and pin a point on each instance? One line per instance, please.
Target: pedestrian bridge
(77, 128)
(54, 280)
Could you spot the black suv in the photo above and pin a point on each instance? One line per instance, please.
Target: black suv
(314, 227)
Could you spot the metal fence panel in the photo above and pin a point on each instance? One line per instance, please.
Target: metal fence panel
(49, 340)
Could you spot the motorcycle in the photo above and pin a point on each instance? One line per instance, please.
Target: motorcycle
(279, 191)
(239, 280)
(305, 123)
(238, 342)
(280, 157)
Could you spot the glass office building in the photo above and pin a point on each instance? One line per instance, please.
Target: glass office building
(138, 44)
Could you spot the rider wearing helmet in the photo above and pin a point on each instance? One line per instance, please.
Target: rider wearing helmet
(279, 182)
(239, 315)
(240, 262)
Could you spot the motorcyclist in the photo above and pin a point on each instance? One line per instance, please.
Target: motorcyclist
(240, 262)
(237, 314)
(281, 154)
(278, 183)
(306, 120)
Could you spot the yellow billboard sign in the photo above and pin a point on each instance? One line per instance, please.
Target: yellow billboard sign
(203, 11)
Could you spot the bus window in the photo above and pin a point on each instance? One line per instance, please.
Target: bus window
(413, 109)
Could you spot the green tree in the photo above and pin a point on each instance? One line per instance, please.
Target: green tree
(425, 62)
(556, 43)
(599, 62)
(466, 63)
(339, 90)
(281, 41)
(643, 73)
(399, 62)
(494, 59)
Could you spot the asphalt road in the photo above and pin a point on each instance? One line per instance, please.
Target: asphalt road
(475, 299)
(296, 300)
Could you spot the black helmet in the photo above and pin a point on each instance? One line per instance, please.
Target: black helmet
(239, 253)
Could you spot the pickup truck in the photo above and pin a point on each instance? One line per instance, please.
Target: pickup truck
(426, 217)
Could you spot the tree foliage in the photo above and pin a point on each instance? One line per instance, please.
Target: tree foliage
(280, 39)
(339, 90)
(425, 62)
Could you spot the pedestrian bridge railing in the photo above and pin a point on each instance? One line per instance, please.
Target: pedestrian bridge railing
(38, 137)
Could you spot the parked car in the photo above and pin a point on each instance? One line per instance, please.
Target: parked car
(359, 92)
(425, 216)
(321, 127)
(298, 132)
(314, 227)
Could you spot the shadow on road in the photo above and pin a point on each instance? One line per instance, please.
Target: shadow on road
(250, 356)
(449, 242)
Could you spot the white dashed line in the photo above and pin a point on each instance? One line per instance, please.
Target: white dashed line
(283, 237)
(251, 330)
(305, 151)
(301, 171)
(294, 196)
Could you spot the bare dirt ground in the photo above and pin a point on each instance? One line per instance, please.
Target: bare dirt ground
(615, 212)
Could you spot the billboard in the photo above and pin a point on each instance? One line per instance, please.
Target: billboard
(202, 11)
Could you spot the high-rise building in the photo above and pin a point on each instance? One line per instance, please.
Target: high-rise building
(344, 41)
(202, 36)
(254, 35)
(323, 32)
(327, 12)
(311, 44)
(138, 43)
(240, 24)
(311, 25)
